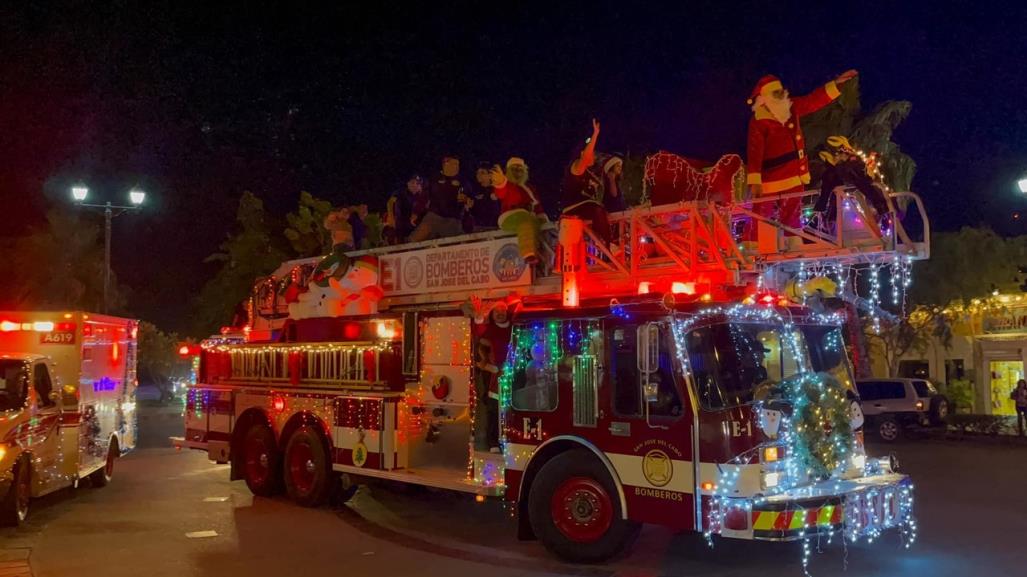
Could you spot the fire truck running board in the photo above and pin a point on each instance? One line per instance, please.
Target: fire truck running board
(440, 478)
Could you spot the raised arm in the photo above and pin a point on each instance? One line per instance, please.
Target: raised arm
(587, 156)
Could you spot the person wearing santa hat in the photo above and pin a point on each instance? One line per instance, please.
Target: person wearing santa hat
(520, 210)
(776, 158)
(613, 171)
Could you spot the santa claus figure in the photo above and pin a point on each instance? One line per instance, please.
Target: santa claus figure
(776, 158)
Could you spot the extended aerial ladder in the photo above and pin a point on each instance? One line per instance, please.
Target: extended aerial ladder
(689, 246)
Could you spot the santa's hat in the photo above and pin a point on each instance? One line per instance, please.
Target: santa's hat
(516, 161)
(765, 85)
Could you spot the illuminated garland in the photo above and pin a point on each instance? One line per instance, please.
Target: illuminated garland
(821, 438)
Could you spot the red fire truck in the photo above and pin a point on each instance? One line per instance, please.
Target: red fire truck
(614, 387)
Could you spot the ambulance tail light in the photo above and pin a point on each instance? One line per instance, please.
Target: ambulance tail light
(9, 326)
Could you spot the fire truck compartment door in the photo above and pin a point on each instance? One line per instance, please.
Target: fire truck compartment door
(446, 360)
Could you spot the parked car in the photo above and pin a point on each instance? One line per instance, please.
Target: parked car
(892, 406)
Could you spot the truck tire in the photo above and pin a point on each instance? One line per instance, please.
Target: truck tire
(575, 511)
(888, 429)
(14, 508)
(939, 410)
(261, 461)
(102, 476)
(309, 479)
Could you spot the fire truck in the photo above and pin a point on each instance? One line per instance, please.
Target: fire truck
(609, 386)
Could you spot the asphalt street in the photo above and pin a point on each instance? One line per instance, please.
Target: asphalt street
(176, 513)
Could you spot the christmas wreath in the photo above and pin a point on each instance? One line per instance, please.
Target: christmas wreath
(821, 430)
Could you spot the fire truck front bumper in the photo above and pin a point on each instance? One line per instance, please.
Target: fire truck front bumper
(859, 507)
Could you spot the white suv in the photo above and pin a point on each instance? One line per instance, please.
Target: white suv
(893, 405)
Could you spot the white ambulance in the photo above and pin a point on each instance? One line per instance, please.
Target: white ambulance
(67, 402)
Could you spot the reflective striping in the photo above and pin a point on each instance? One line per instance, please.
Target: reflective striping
(796, 519)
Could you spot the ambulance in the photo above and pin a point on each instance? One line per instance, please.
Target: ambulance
(67, 402)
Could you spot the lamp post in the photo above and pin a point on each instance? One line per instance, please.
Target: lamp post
(136, 198)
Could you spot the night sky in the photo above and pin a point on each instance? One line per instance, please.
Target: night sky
(195, 103)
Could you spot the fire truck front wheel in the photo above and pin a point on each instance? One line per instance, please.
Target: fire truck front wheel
(575, 510)
(260, 461)
(308, 474)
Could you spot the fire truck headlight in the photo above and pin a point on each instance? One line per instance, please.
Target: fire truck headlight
(859, 461)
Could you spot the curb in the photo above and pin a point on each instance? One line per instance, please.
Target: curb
(984, 439)
(14, 562)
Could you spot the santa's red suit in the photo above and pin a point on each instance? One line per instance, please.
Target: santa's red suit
(776, 157)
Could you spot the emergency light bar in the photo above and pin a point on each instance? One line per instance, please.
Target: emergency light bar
(38, 326)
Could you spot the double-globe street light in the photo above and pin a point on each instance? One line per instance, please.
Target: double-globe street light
(136, 197)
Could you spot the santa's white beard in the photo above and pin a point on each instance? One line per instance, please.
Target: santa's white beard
(781, 109)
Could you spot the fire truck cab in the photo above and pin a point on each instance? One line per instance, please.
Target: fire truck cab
(597, 391)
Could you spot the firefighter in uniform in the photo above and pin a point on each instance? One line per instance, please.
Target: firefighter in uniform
(776, 158)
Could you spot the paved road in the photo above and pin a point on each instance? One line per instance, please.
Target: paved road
(972, 506)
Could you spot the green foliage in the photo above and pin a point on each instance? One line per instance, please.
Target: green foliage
(374, 224)
(158, 354)
(872, 132)
(60, 266)
(838, 118)
(875, 132)
(914, 332)
(631, 179)
(990, 425)
(960, 393)
(966, 265)
(250, 253)
(822, 436)
(305, 230)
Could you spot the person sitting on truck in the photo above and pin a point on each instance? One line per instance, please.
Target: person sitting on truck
(583, 189)
(403, 210)
(484, 208)
(446, 197)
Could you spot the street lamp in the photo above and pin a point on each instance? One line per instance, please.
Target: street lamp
(136, 198)
(1022, 183)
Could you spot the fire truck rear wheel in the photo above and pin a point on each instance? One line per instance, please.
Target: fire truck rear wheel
(575, 510)
(261, 461)
(102, 476)
(14, 508)
(308, 475)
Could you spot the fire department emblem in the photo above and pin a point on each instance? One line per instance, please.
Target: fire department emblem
(359, 454)
(657, 468)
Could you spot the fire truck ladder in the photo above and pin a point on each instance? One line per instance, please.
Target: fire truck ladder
(696, 241)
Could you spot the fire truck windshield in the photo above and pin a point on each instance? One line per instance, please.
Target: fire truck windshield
(729, 361)
(827, 352)
(13, 378)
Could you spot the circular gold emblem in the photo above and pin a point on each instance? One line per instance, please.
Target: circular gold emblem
(657, 468)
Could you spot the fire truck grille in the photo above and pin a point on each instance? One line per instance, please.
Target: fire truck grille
(585, 398)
